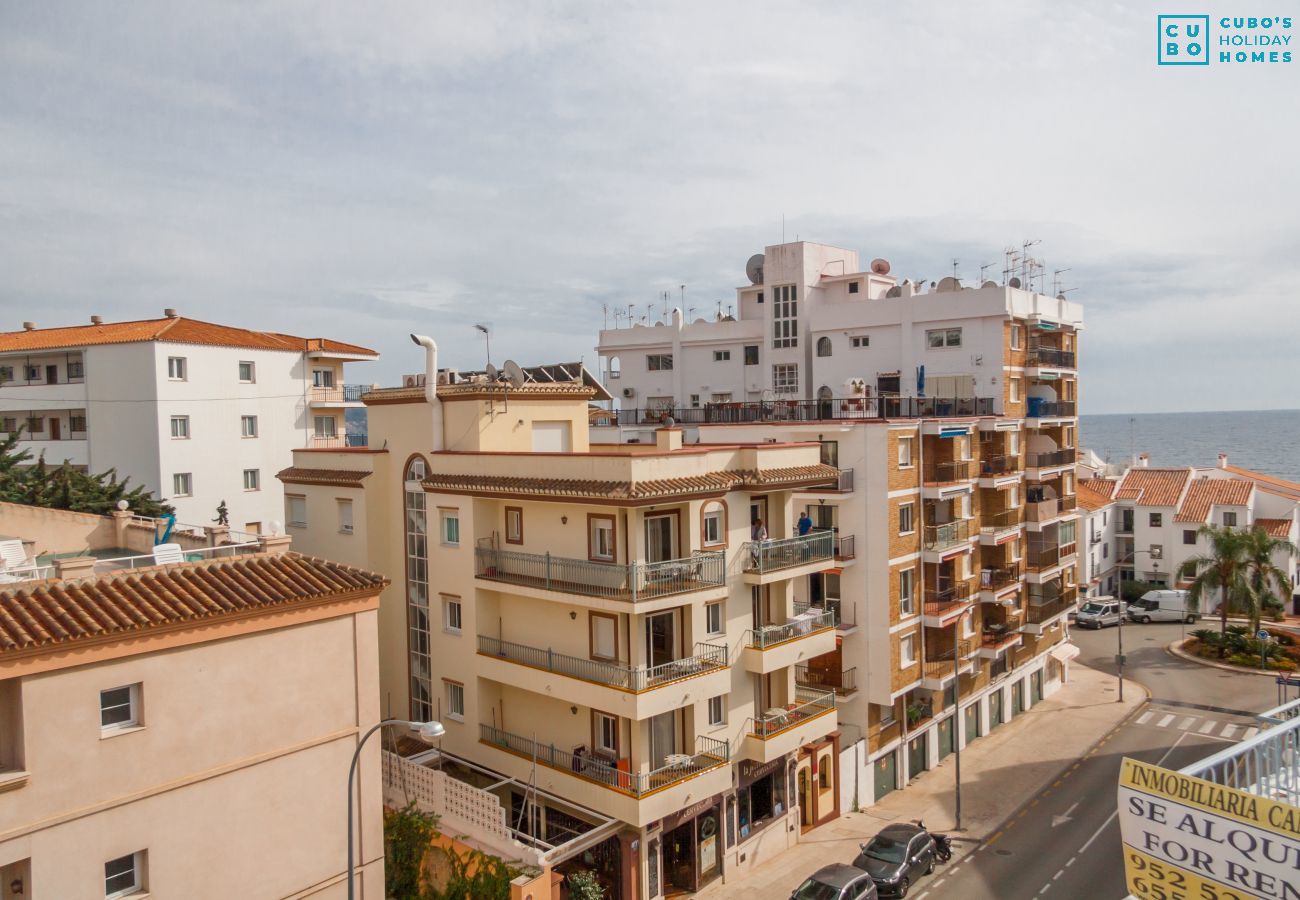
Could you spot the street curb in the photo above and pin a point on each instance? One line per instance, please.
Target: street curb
(1176, 651)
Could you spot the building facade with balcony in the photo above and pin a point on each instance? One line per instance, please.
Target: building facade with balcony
(602, 626)
(201, 414)
(952, 416)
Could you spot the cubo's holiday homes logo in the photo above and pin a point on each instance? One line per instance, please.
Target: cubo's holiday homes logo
(1184, 40)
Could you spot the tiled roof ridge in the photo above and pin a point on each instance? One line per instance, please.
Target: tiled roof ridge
(705, 482)
(63, 337)
(1205, 492)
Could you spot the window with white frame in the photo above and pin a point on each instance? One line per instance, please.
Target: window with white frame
(713, 525)
(858, 341)
(248, 426)
(604, 635)
(1013, 443)
(601, 538)
(713, 618)
(119, 708)
(33, 373)
(968, 625)
(295, 510)
(606, 733)
(943, 337)
(907, 592)
(695, 401)
(905, 452)
(345, 516)
(906, 513)
(717, 710)
(907, 650)
(180, 427)
(322, 378)
(659, 362)
(1229, 520)
(450, 527)
(1015, 337)
(177, 368)
(785, 378)
(514, 524)
(721, 355)
(6, 374)
(325, 426)
(247, 372)
(455, 700)
(1013, 390)
(124, 876)
(182, 484)
(785, 316)
(720, 397)
(252, 479)
(452, 613)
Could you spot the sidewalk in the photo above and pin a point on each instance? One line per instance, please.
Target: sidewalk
(1000, 772)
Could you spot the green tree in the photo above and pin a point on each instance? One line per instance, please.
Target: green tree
(66, 487)
(407, 833)
(1269, 585)
(1222, 571)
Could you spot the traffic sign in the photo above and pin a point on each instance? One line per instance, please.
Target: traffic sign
(1262, 635)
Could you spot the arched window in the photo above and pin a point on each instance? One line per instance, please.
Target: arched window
(615, 367)
(823, 346)
(416, 469)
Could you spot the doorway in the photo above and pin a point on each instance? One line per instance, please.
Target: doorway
(805, 797)
(660, 538)
(56, 428)
(51, 374)
(757, 511)
(660, 638)
(663, 738)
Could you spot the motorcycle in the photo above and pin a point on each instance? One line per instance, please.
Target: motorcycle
(942, 843)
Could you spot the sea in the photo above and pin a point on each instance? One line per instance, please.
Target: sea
(1267, 441)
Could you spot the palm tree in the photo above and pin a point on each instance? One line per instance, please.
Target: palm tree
(1222, 570)
(1267, 583)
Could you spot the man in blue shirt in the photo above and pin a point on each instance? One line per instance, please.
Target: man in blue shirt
(805, 523)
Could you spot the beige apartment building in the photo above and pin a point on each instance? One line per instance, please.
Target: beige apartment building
(598, 628)
(182, 730)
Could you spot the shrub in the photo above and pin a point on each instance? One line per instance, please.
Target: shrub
(1208, 636)
(584, 886)
(407, 833)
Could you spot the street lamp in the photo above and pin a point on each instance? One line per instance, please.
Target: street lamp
(427, 731)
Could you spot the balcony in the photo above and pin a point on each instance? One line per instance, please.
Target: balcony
(610, 581)
(1049, 458)
(1040, 512)
(995, 641)
(941, 537)
(997, 523)
(1069, 503)
(887, 406)
(996, 578)
(943, 607)
(843, 484)
(1094, 539)
(1050, 409)
(336, 396)
(636, 679)
(995, 466)
(1040, 558)
(948, 472)
(780, 731)
(339, 441)
(787, 557)
(770, 648)
(841, 682)
(845, 547)
(1050, 358)
(1039, 616)
(938, 668)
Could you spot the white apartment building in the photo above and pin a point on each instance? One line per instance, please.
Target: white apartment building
(1098, 528)
(199, 413)
(951, 413)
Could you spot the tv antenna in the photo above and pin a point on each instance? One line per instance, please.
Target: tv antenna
(955, 263)
(1056, 281)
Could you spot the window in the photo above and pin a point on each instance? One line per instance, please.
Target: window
(180, 427)
(514, 524)
(1013, 390)
(717, 711)
(905, 453)
(600, 538)
(854, 286)
(859, 341)
(659, 362)
(1156, 519)
(906, 592)
(451, 527)
(785, 316)
(605, 728)
(713, 618)
(888, 715)
(345, 516)
(1013, 446)
(823, 346)
(1015, 337)
(785, 378)
(695, 401)
(119, 708)
(907, 651)
(36, 425)
(8, 424)
(295, 510)
(455, 700)
(247, 372)
(248, 426)
(417, 593)
(452, 614)
(33, 373)
(1230, 520)
(322, 378)
(720, 397)
(968, 625)
(76, 370)
(1105, 551)
(712, 525)
(751, 353)
(1189, 536)
(124, 876)
(943, 337)
(830, 453)
(7, 373)
(252, 479)
(603, 629)
(325, 426)
(905, 523)
(721, 355)
(182, 484)
(77, 424)
(176, 368)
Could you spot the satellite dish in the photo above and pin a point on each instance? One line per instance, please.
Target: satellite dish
(948, 283)
(754, 269)
(514, 374)
(493, 374)
(1014, 282)
(895, 291)
(989, 284)
(880, 266)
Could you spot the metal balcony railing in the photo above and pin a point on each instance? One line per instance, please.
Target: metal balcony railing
(1051, 357)
(841, 682)
(1000, 520)
(809, 621)
(958, 592)
(1042, 557)
(1037, 615)
(999, 465)
(1041, 409)
(709, 754)
(1068, 503)
(876, 406)
(1041, 459)
(994, 639)
(938, 664)
(1094, 539)
(707, 658)
(845, 546)
(843, 484)
(994, 578)
(809, 704)
(938, 537)
(1267, 765)
(772, 556)
(948, 471)
(339, 441)
(614, 581)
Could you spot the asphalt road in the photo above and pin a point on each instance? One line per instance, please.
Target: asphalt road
(1065, 843)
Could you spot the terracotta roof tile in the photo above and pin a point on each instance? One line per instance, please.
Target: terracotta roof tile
(177, 330)
(1153, 487)
(1104, 486)
(1278, 485)
(339, 477)
(1206, 493)
(1275, 527)
(54, 613)
(1090, 499)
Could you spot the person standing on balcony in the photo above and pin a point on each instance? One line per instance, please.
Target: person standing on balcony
(758, 535)
(805, 523)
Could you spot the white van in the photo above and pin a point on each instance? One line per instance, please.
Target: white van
(1161, 606)
(1099, 612)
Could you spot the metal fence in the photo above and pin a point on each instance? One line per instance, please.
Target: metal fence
(840, 681)
(772, 556)
(631, 678)
(1050, 356)
(615, 581)
(809, 621)
(809, 704)
(949, 470)
(1037, 459)
(882, 406)
(1267, 764)
(939, 536)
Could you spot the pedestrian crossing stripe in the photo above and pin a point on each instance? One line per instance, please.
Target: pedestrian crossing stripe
(1209, 727)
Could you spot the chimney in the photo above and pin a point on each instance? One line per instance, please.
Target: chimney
(1143, 460)
(29, 326)
(1223, 460)
(169, 313)
(667, 439)
(96, 320)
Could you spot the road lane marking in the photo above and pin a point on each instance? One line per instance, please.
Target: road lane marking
(1209, 726)
(1186, 723)
(1104, 825)
(1071, 862)
(1058, 874)
(1165, 721)
(1142, 719)
(1229, 730)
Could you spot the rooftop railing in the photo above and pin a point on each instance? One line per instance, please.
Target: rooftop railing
(809, 621)
(772, 556)
(809, 704)
(880, 406)
(614, 581)
(937, 537)
(707, 658)
(1267, 764)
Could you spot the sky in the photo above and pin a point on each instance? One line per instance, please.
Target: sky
(364, 170)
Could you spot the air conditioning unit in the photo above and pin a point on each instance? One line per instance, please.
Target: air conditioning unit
(446, 376)
(629, 392)
(413, 381)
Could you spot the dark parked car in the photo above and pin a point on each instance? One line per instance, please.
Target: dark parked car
(897, 857)
(836, 882)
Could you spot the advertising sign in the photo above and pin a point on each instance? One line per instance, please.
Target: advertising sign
(1186, 837)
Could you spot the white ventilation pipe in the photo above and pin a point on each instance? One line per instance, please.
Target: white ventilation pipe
(431, 384)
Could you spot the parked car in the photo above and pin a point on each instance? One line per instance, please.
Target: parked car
(1161, 606)
(1100, 612)
(837, 882)
(896, 857)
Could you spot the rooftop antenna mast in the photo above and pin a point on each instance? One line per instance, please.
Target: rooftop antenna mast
(1026, 260)
(1056, 280)
(604, 308)
(956, 262)
(486, 329)
(630, 320)
(984, 268)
